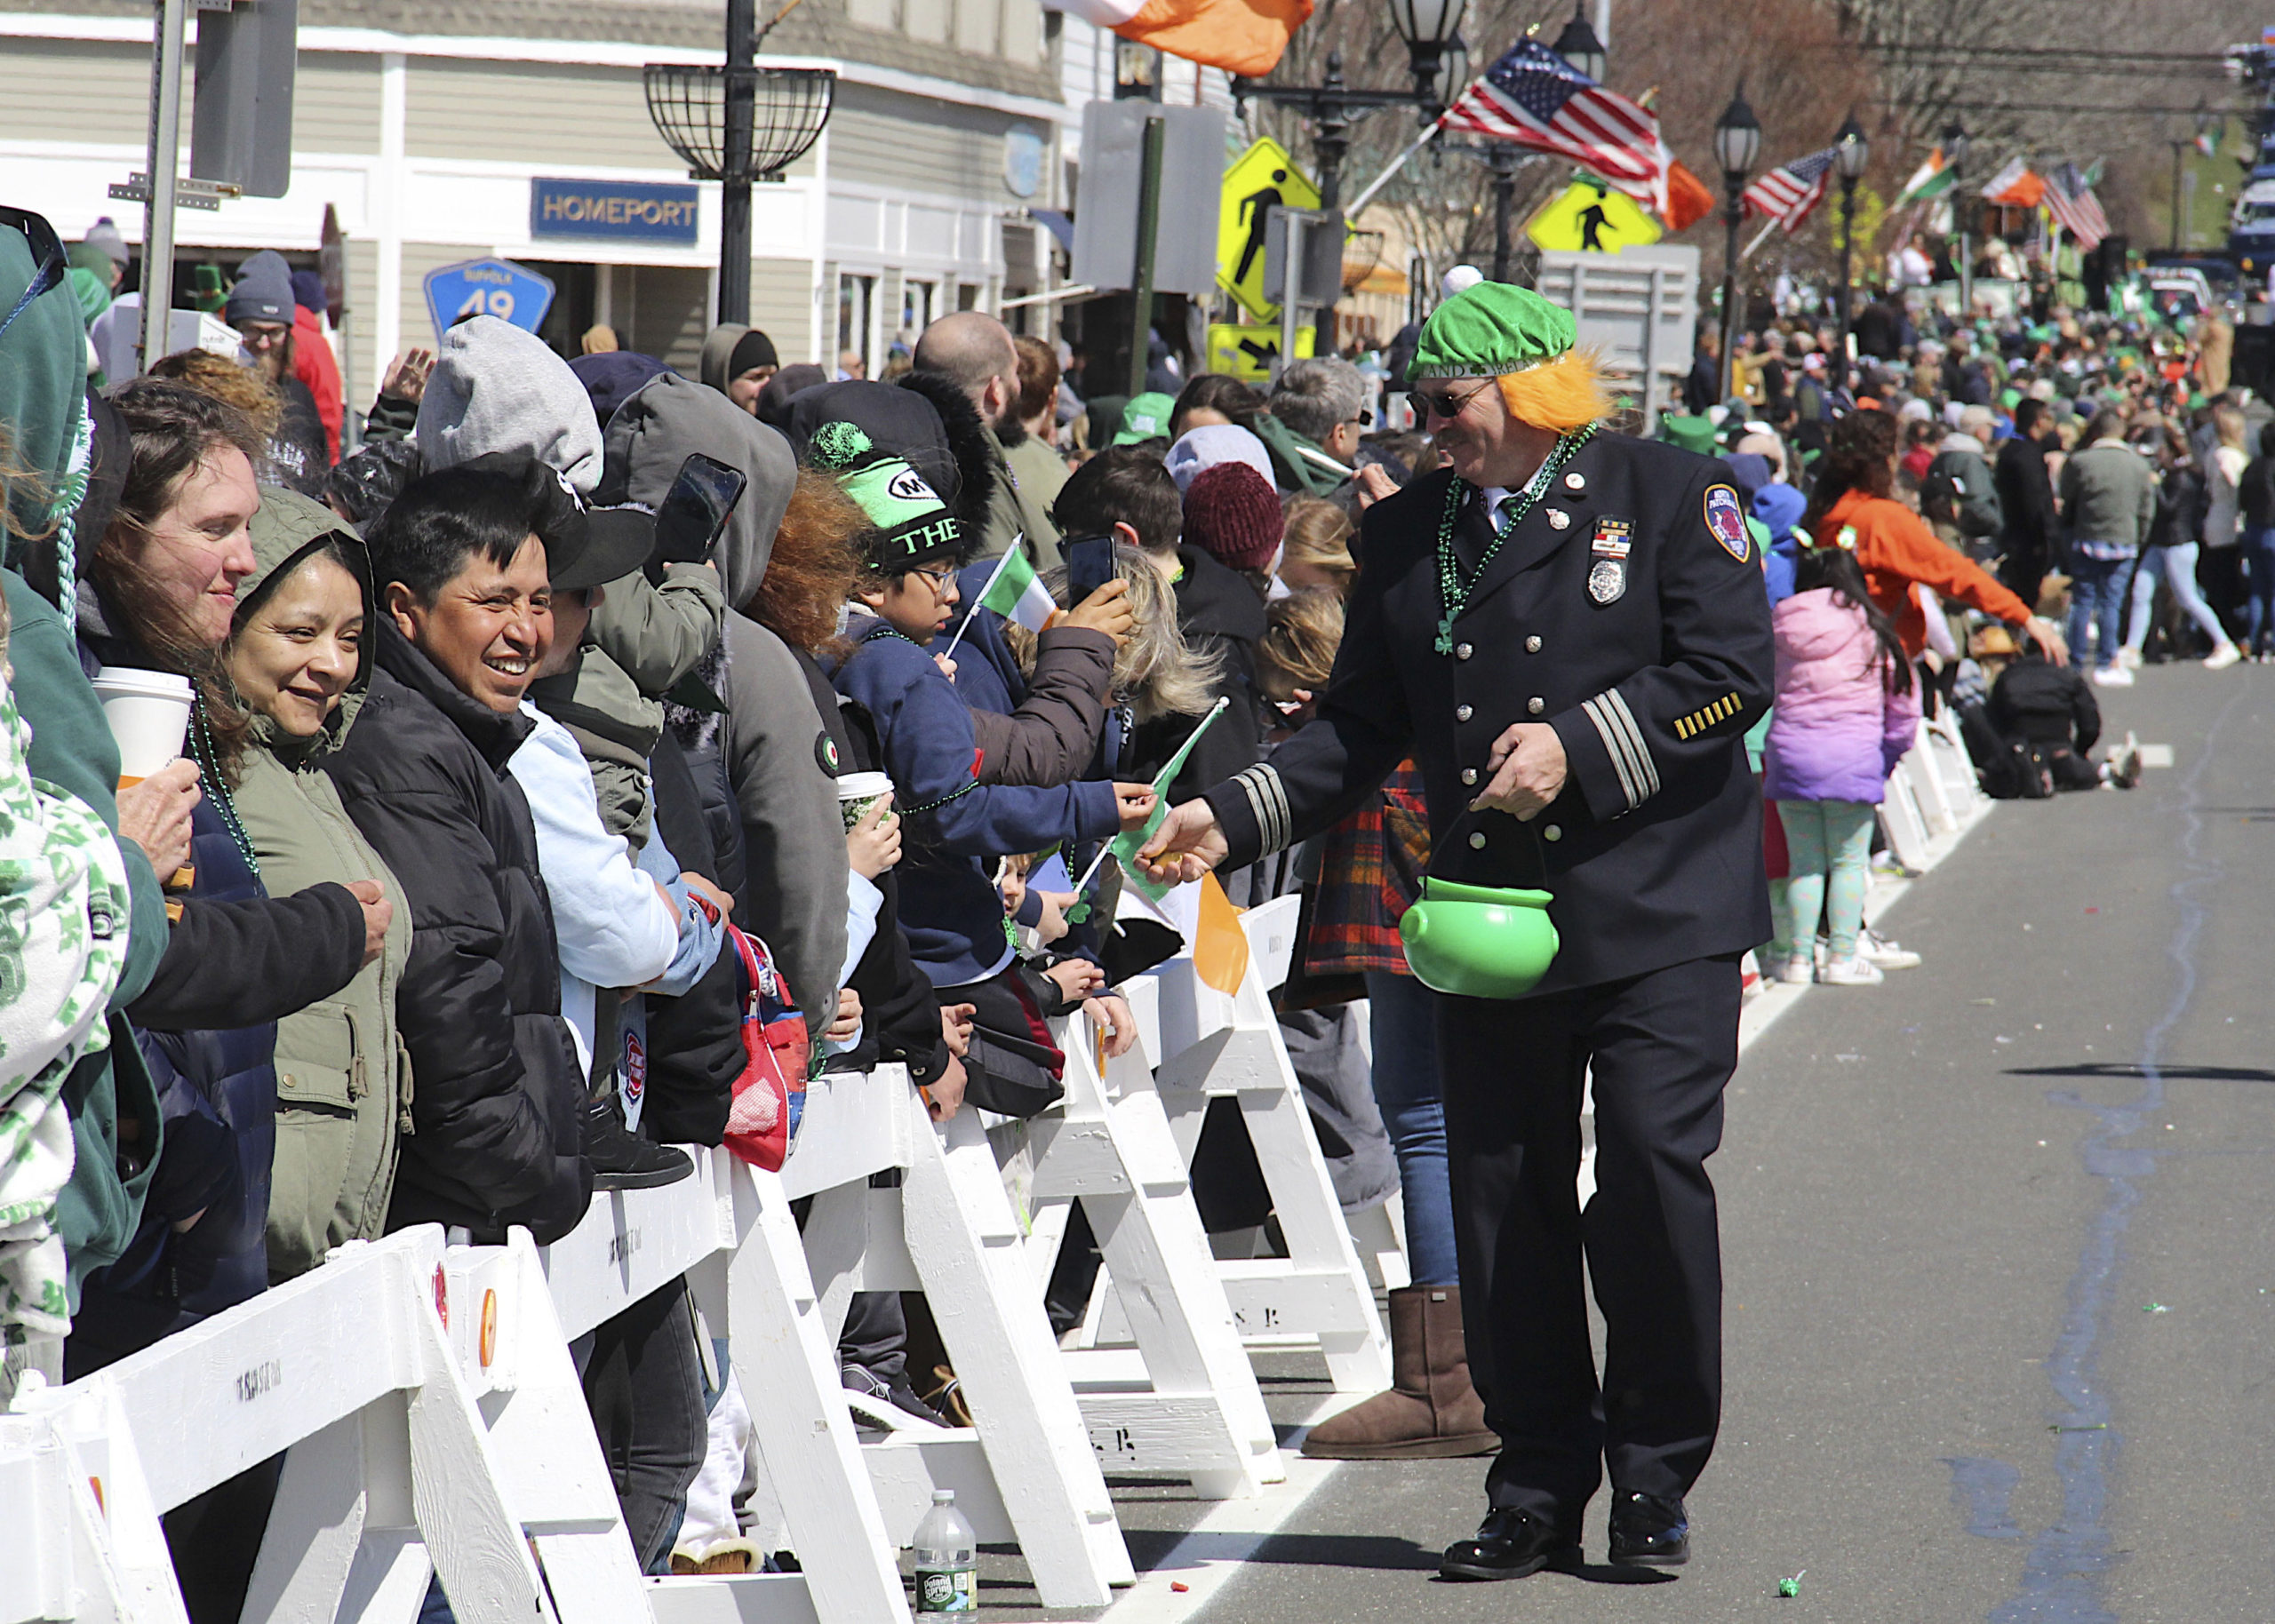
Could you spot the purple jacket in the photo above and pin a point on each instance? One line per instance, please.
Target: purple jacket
(1837, 731)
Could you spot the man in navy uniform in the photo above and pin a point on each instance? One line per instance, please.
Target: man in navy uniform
(1566, 631)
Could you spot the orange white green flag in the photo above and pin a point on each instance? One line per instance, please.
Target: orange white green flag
(1241, 36)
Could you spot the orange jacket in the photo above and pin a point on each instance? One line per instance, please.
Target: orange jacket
(1898, 550)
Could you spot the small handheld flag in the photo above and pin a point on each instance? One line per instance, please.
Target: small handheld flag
(1013, 567)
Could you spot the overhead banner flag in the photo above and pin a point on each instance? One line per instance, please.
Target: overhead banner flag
(1241, 36)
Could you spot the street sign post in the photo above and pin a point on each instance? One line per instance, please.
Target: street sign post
(487, 287)
(1262, 180)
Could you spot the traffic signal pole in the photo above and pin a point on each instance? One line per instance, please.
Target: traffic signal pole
(158, 207)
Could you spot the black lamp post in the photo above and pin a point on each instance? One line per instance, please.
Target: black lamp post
(1856, 153)
(1430, 31)
(1737, 143)
(1955, 142)
(1579, 45)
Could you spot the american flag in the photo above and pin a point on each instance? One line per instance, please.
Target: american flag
(2075, 208)
(1790, 192)
(1535, 99)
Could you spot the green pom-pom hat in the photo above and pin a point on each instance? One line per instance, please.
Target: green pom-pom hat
(914, 527)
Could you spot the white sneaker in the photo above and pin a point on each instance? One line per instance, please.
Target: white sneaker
(2129, 658)
(2222, 657)
(1854, 972)
(1876, 949)
(2115, 676)
(1800, 970)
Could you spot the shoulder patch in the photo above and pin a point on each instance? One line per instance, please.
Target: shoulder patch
(1726, 518)
(825, 752)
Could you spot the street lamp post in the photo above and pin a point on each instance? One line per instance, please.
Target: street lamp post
(1737, 143)
(1856, 153)
(1579, 45)
(1430, 30)
(1962, 214)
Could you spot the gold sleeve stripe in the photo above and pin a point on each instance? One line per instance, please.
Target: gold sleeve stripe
(1706, 717)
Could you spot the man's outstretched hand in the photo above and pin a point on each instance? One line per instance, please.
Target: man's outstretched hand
(1186, 846)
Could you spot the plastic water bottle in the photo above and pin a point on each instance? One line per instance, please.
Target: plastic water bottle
(948, 1578)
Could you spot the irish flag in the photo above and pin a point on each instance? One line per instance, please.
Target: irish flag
(1930, 180)
(1241, 37)
(1015, 593)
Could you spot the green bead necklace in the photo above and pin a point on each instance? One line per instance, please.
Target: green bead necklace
(1453, 592)
(217, 786)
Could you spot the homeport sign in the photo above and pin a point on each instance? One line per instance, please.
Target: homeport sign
(615, 210)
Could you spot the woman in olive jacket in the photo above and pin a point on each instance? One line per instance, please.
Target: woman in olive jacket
(297, 663)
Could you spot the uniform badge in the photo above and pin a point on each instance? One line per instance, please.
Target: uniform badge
(1727, 520)
(1558, 519)
(1606, 580)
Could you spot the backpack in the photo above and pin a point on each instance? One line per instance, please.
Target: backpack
(770, 1095)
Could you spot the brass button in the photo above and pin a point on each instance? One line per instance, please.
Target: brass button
(1462, 652)
(1576, 481)
(1552, 832)
(1469, 774)
(1532, 645)
(1536, 704)
(1461, 712)
(1477, 840)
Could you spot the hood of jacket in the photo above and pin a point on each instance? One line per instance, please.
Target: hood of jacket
(1960, 440)
(718, 349)
(288, 528)
(498, 388)
(1214, 601)
(494, 734)
(670, 419)
(42, 392)
(1780, 506)
(1817, 625)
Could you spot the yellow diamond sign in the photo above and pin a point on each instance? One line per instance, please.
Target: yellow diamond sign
(1259, 177)
(1590, 217)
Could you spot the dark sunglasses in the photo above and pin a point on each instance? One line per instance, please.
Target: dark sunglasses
(47, 253)
(1445, 403)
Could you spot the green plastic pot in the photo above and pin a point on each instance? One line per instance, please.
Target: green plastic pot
(1478, 941)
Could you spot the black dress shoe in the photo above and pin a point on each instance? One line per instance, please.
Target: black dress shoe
(1649, 1531)
(1510, 1544)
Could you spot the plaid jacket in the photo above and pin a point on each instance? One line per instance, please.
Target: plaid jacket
(1370, 876)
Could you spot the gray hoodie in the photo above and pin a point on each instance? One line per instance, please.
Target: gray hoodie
(496, 388)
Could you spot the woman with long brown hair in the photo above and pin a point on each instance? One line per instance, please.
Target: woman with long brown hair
(1856, 490)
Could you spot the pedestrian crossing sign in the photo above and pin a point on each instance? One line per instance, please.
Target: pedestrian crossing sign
(1250, 353)
(1592, 217)
(1261, 177)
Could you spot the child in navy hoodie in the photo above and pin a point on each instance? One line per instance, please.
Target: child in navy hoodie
(957, 827)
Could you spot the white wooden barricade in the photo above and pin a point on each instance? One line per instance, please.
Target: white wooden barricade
(1182, 1400)
(1933, 796)
(1027, 1471)
(1219, 1046)
(431, 1418)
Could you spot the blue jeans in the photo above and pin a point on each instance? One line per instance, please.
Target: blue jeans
(2177, 567)
(2097, 602)
(2259, 571)
(1404, 1017)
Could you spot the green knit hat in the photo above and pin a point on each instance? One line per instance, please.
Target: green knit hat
(913, 525)
(1489, 328)
(1146, 416)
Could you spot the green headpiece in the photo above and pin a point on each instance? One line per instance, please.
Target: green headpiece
(1489, 328)
(1691, 434)
(1146, 416)
(913, 525)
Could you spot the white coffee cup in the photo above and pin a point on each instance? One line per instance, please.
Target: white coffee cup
(149, 714)
(857, 792)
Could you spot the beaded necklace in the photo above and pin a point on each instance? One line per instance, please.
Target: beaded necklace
(1453, 592)
(217, 787)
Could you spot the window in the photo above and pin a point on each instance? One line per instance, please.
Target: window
(856, 298)
(918, 304)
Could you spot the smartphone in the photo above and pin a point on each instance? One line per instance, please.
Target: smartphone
(696, 509)
(1089, 565)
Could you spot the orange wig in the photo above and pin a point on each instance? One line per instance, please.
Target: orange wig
(1563, 394)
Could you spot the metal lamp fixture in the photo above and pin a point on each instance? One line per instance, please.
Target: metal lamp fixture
(1579, 45)
(1737, 143)
(1854, 154)
(1955, 144)
(1429, 29)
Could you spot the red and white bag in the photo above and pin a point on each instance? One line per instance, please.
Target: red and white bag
(770, 1095)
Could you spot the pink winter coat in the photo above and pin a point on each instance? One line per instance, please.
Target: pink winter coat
(1837, 731)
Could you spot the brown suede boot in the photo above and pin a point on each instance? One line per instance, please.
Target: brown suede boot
(1431, 1412)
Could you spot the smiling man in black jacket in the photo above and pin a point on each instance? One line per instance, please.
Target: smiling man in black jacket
(464, 618)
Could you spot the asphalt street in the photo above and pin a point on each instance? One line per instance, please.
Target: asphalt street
(2000, 1258)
